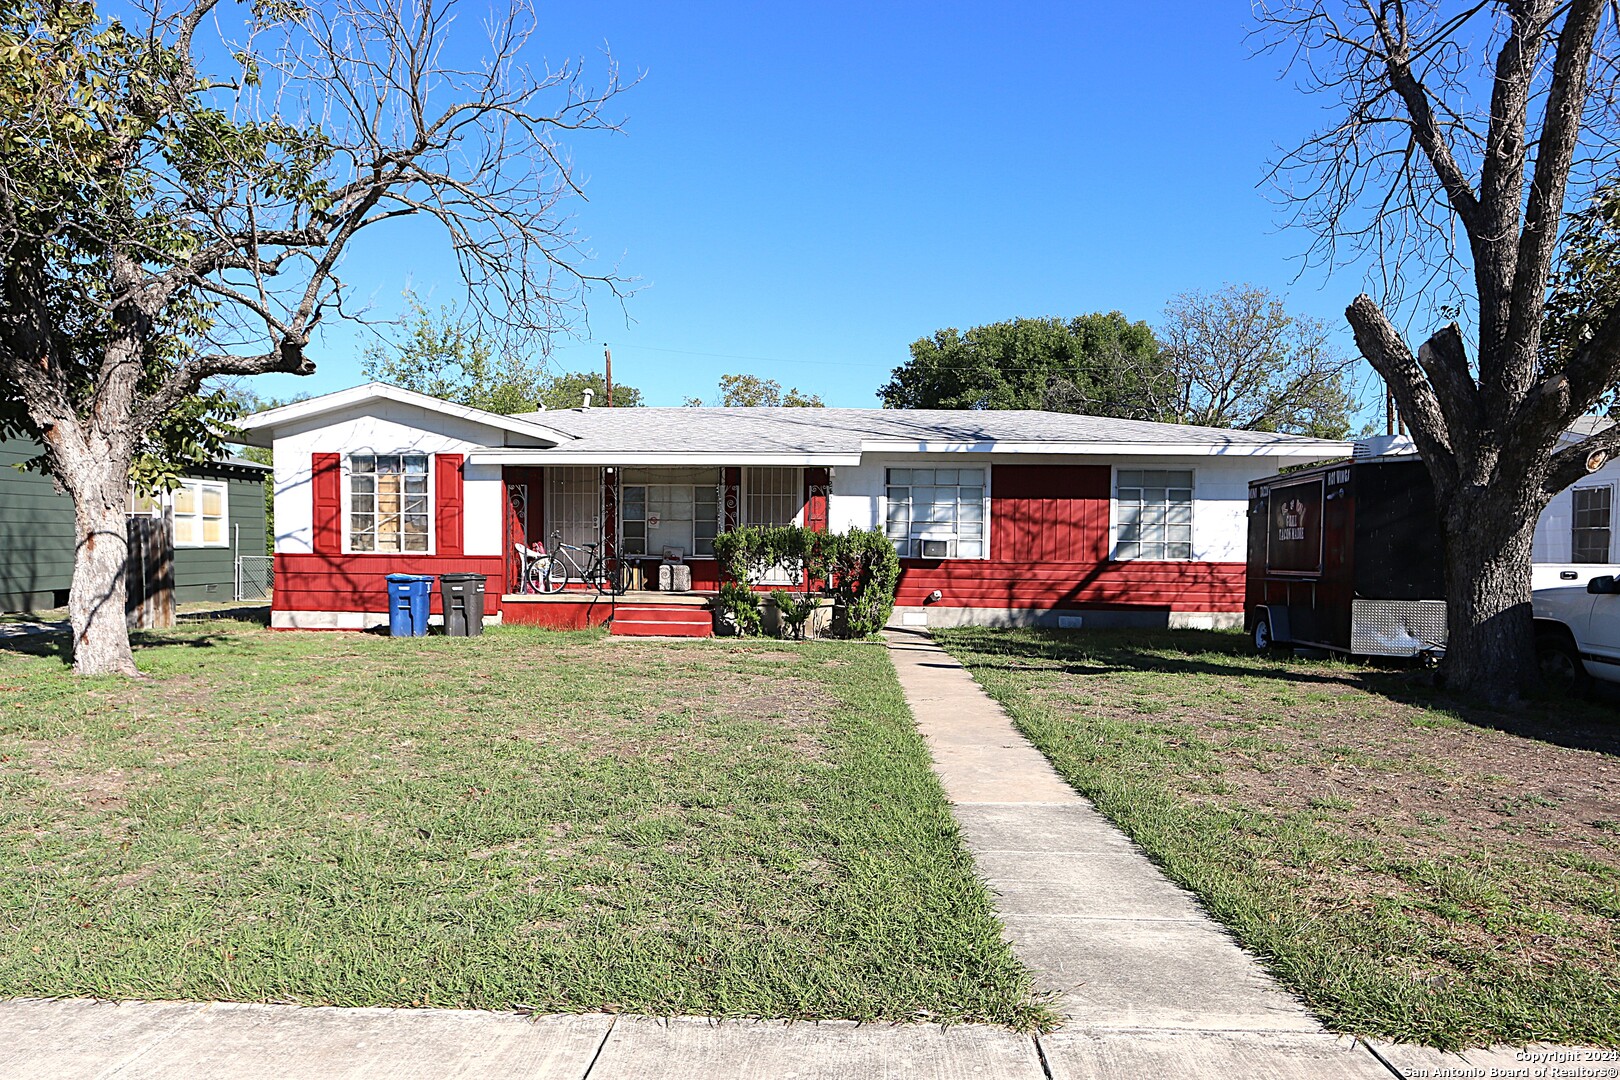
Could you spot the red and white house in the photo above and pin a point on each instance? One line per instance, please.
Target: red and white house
(1016, 517)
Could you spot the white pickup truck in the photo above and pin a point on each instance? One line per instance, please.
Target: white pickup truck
(1578, 633)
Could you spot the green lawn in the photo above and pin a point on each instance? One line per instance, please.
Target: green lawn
(1415, 870)
(528, 819)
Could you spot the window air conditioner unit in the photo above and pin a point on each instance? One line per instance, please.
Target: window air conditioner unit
(935, 549)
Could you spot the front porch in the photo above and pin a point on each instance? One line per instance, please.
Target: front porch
(633, 614)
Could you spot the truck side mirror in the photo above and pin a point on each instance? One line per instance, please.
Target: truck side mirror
(1606, 585)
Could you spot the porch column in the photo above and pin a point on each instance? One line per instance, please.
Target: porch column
(610, 512)
(731, 499)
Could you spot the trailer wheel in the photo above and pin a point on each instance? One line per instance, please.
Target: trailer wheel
(1263, 642)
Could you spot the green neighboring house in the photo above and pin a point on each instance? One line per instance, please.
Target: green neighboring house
(218, 515)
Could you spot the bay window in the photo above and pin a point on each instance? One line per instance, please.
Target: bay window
(937, 513)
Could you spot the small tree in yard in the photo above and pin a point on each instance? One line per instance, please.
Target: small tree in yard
(1481, 122)
(162, 225)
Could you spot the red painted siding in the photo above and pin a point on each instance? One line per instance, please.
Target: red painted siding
(1161, 586)
(1049, 549)
(326, 493)
(1049, 513)
(359, 582)
(447, 514)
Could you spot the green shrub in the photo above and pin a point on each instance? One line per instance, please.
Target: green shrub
(795, 610)
(864, 573)
(738, 601)
(859, 568)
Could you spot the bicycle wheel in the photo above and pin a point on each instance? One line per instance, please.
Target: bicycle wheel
(550, 576)
(610, 579)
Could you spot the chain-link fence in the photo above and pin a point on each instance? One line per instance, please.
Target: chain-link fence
(254, 577)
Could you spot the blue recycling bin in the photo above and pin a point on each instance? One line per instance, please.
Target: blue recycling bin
(408, 604)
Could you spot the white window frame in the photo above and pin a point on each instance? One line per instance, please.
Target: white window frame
(163, 506)
(912, 543)
(346, 506)
(690, 551)
(1113, 512)
(1608, 558)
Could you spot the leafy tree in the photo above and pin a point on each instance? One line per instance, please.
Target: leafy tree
(174, 207)
(1241, 361)
(753, 391)
(1462, 136)
(1101, 364)
(445, 357)
(450, 358)
(567, 391)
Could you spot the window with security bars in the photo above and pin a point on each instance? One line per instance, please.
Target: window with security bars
(1589, 532)
(937, 513)
(1153, 514)
(774, 496)
(388, 502)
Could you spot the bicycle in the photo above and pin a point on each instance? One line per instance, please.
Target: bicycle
(551, 570)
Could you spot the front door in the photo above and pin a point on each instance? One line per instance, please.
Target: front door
(574, 504)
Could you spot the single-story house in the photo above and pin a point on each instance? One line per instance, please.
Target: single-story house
(1013, 517)
(218, 513)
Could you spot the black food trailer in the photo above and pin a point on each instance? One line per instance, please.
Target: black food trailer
(1346, 556)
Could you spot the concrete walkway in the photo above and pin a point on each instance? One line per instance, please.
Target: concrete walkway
(1147, 983)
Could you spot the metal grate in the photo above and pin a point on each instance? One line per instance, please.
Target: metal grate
(1396, 627)
(255, 576)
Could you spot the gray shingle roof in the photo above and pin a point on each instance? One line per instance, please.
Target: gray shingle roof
(767, 430)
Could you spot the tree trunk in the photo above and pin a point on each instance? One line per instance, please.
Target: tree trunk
(96, 601)
(1491, 650)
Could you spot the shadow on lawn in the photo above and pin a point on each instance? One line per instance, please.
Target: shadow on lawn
(56, 644)
(1581, 725)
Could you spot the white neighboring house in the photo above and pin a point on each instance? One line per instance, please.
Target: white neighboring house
(1575, 538)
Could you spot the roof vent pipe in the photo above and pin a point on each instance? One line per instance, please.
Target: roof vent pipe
(589, 393)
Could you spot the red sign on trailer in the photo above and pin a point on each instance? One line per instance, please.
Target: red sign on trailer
(1294, 533)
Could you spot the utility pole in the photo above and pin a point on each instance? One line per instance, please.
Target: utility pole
(607, 354)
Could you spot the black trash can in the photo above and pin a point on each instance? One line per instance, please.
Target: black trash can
(463, 599)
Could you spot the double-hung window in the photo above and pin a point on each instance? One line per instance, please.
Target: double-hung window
(937, 513)
(1154, 512)
(388, 503)
(200, 510)
(1589, 524)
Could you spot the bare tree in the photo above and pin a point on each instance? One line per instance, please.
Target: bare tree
(161, 225)
(1464, 134)
(1241, 361)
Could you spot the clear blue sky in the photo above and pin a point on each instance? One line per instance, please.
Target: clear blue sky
(804, 190)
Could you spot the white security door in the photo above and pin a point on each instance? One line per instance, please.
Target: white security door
(574, 504)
